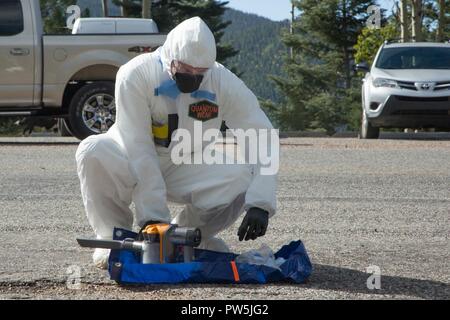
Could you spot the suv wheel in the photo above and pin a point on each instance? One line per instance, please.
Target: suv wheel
(92, 109)
(367, 131)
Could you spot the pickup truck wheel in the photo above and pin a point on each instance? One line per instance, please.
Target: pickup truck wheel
(367, 131)
(93, 109)
(64, 128)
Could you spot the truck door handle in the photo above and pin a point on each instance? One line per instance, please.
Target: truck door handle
(19, 52)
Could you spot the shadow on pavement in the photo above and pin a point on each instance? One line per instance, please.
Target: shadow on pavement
(332, 278)
(325, 277)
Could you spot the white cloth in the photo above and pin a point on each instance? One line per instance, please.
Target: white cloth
(126, 165)
(100, 258)
(263, 256)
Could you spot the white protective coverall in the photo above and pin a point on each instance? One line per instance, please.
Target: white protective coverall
(130, 164)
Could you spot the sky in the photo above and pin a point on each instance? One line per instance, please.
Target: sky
(277, 10)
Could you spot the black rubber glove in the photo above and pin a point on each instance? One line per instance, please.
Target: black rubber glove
(254, 224)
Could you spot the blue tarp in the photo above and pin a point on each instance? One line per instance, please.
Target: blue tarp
(208, 267)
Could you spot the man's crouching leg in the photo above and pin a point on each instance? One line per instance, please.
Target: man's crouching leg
(106, 188)
(215, 220)
(216, 202)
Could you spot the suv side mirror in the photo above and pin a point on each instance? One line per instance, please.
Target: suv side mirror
(362, 66)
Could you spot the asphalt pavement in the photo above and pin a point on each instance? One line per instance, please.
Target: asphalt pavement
(354, 204)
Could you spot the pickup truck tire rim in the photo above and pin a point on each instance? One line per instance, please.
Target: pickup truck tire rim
(99, 112)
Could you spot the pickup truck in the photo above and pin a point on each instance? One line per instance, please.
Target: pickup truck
(69, 77)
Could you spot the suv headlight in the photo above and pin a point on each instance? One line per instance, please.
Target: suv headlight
(386, 83)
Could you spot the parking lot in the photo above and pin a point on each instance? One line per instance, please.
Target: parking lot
(353, 203)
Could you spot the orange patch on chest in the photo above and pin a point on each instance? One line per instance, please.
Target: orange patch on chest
(203, 110)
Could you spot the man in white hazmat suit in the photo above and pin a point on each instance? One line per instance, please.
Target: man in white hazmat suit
(156, 94)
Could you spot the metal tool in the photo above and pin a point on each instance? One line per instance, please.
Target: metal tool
(163, 243)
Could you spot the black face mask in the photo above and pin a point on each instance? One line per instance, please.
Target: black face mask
(188, 83)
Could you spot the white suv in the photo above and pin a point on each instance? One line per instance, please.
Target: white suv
(408, 86)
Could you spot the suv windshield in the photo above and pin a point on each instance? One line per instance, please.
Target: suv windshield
(414, 58)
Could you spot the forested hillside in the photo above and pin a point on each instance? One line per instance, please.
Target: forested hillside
(261, 50)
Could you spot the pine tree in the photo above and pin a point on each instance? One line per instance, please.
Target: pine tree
(130, 8)
(370, 40)
(319, 87)
(446, 21)
(54, 15)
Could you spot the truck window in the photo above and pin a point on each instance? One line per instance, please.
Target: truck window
(11, 17)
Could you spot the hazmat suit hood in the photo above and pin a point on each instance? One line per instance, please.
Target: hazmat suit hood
(191, 42)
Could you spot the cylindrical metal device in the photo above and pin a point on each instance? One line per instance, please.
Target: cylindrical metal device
(186, 236)
(150, 252)
(159, 245)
